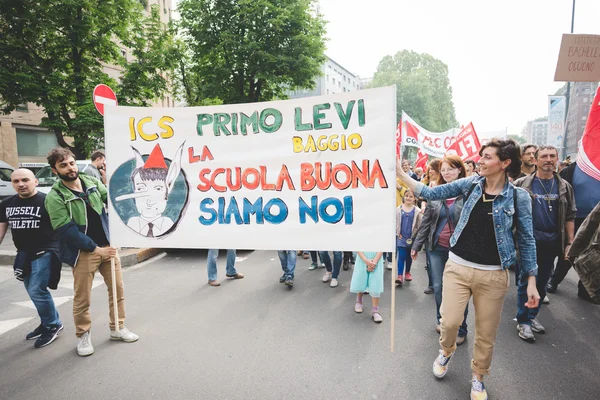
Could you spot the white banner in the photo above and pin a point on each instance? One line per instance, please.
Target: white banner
(430, 143)
(315, 173)
(556, 121)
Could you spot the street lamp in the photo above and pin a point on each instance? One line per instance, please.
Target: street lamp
(568, 95)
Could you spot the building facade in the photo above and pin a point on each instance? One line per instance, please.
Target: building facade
(536, 131)
(333, 79)
(582, 96)
(24, 143)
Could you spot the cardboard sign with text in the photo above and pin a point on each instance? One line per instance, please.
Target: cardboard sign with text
(579, 59)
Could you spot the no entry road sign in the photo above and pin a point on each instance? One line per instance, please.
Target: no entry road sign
(103, 95)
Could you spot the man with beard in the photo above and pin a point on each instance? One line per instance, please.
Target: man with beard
(527, 160)
(76, 208)
(553, 213)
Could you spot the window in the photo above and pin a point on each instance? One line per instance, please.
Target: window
(333, 80)
(34, 143)
(339, 84)
(5, 174)
(23, 107)
(327, 91)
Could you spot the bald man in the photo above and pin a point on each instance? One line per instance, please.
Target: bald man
(37, 263)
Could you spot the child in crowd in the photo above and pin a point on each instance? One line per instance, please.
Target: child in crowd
(368, 276)
(408, 221)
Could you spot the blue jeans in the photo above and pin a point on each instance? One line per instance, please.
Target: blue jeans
(430, 284)
(404, 258)
(438, 258)
(212, 263)
(288, 262)
(313, 257)
(36, 285)
(337, 262)
(546, 253)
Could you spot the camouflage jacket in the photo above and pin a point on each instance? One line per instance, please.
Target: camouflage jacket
(586, 252)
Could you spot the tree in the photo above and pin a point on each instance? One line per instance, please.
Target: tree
(517, 138)
(423, 88)
(249, 50)
(54, 55)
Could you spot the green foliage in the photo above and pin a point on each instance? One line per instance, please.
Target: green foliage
(53, 55)
(249, 50)
(422, 88)
(517, 138)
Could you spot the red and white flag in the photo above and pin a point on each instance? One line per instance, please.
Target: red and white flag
(588, 156)
(421, 160)
(466, 145)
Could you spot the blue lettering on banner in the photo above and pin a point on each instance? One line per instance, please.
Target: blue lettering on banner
(315, 211)
(222, 215)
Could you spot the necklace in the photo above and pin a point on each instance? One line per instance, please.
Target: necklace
(547, 198)
(487, 200)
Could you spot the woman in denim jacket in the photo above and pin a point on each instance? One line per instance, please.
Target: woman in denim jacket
(481, 250)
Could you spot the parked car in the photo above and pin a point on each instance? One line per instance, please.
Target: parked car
(6, 189)
(46, 178)
(33, 166)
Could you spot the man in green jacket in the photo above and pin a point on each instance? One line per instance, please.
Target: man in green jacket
(76, 208)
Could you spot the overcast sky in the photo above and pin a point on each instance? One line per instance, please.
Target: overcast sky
(501, 55)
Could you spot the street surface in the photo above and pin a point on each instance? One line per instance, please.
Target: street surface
(256, 339)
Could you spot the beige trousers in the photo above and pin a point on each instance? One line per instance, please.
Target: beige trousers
(83, 274)
(488, 289)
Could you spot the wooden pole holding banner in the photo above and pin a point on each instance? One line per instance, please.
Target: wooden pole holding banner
(113, 273)
(393, 286)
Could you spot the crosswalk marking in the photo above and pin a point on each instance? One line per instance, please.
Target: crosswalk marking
(57, 302)
(9, 324)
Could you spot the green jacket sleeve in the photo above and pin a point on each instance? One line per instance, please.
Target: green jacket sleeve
(57, 210)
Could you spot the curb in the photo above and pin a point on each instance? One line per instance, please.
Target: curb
(129, 257)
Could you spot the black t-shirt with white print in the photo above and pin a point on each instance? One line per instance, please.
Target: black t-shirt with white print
(29, 223)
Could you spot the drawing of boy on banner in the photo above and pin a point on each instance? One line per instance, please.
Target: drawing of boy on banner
(153, 182)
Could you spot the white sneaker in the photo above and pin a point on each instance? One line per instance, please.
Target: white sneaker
(84, 345)
(327, 276)
(546, 300)
(334, 283)
(388, 265)
(124, 335)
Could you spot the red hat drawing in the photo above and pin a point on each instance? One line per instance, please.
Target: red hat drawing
(156, 159)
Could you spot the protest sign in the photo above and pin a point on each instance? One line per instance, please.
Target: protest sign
(466, 144)
(315, 173)
(578, 59)
(433, 144)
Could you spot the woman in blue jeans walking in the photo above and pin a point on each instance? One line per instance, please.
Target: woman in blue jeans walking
(437, 228)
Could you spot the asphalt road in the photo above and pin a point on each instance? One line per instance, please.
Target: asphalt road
(256, 339)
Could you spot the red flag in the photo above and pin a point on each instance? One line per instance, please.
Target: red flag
(398, 138)
(588, 156)
(466, 145)
(421, 160)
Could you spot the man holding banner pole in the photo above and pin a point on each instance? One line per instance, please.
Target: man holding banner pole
(75, 205)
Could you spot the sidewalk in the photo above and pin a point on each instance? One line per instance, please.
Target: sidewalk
(129, 256)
